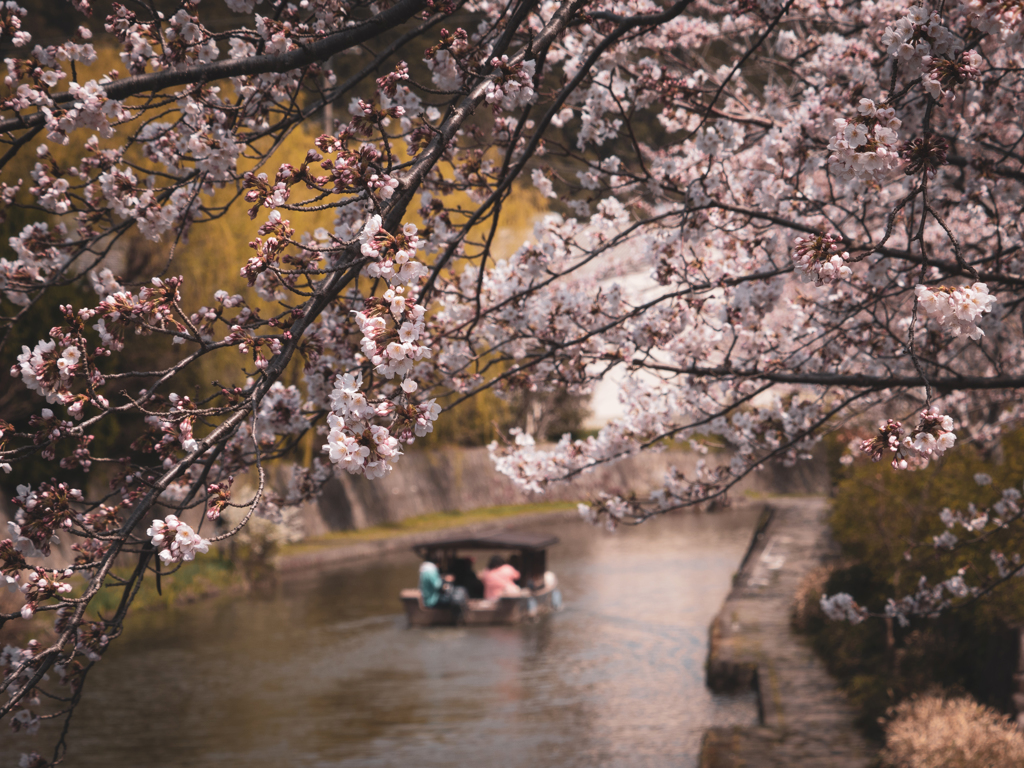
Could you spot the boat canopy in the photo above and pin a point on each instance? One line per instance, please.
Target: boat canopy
(524, 542)
(531, 562)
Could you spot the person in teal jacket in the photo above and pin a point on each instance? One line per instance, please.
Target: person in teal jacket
(438, 592)
(430, 583)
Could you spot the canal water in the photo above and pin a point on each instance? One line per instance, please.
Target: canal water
(322, 671)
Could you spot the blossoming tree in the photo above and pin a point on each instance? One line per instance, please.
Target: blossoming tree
(766, 218)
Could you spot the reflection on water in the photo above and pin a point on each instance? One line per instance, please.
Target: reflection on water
(323, 671)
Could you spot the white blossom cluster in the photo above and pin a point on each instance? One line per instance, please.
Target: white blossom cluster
(48, 371)
(281, 411)
(17, 667)
(842, 607)
(41, 252)
(515, 87)
(599, 117)
(358, 445)
(176, 540)
(90, 109)
(41, 513)
(957, 309)
(934, 433)
(930, 600)
(130, 199)
(349, 423)
(994, 17)
(364, 437)
(918, 34)
(444, 71)
(543, 183)
(865, 146)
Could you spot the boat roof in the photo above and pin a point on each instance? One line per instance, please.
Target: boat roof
(508, 540)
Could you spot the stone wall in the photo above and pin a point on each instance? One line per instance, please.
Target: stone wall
(461, 479)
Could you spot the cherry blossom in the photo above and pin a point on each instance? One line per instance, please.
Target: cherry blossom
(819, 225)
(175, 540)
(957, 308)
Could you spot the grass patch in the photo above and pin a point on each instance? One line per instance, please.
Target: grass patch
(205, 576)
(436, 521)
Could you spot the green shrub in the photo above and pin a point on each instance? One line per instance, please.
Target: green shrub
(879, 516)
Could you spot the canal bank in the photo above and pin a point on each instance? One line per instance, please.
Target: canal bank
(804, 719)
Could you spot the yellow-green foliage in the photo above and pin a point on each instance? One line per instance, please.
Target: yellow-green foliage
(214, 251)
(476, 421)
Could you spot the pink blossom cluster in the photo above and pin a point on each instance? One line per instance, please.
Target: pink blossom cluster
(11, 15)
(957, 309)
(41, 585)
(175, 540)
(932, 437)
(513, 87)
(865, 146)
(820, 259)
(944, 74)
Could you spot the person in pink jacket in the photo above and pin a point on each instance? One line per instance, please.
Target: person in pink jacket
(499, 579)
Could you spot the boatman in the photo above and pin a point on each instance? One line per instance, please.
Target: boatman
(438, 592)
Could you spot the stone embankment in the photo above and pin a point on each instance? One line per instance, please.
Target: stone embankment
(330, 554)
(805, 720)
(462, 479)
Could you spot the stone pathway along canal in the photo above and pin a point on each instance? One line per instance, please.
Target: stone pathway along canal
(806, 721)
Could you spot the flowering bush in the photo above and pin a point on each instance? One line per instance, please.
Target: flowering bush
(894, 549)
(870, 150)
(935, 732)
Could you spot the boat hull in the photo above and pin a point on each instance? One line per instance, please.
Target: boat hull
(504, 610)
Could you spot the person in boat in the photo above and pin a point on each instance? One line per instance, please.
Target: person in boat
(465, 576)
(437, 591)
(499, 579)
(516, 561)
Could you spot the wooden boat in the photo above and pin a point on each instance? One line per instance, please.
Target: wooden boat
(540, 593)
